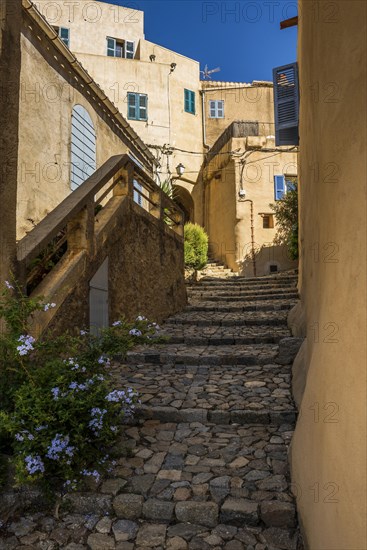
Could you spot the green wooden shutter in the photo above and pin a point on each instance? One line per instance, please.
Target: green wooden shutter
(111, 47)
(143, 107)
(132, 106)
(286, 104)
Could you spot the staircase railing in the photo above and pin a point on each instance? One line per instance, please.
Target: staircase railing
(71, 227)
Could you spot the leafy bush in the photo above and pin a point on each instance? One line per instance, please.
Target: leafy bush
(286, 215)
(63, 411)
(196, 246)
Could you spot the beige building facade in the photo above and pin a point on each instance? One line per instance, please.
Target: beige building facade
(328, 453)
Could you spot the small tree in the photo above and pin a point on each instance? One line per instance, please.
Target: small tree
(286, 215)
(196, 246)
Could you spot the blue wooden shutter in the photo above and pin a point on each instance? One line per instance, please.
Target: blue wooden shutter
(279, 187)
(286, 104)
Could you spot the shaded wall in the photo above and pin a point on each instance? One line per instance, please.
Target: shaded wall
(10, 25)
(145, 273)
(329, 447)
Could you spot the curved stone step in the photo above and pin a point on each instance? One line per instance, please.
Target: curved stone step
(239, 319)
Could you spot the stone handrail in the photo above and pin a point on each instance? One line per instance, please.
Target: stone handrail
(75, 215)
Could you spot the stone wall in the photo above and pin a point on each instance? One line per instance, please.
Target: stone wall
(146, 269)
(329, 446)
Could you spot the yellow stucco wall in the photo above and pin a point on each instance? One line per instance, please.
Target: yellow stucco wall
(252, 102)
(228, 219)
(46, 103)
(168, 123)
(329, 446)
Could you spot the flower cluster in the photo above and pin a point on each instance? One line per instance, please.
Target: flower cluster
(34, 464)
(46, 307)
(26, 344)
(60, 446)
(96, 424)
(135, 332)
(93, 473)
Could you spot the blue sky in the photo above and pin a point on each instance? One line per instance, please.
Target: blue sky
(243, 37)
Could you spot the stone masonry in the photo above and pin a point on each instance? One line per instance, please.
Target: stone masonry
(206, 467)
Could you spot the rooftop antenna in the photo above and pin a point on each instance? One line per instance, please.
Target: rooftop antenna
(206, 73)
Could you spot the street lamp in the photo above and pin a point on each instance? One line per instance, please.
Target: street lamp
(180, 169)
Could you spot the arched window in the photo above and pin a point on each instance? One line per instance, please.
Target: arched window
(83, 147)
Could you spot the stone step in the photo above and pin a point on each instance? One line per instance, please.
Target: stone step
(241, 298)
(270, 305)
(252, 280)
(196, 486)
(246, 293)
(231, 288)
(204, 355)
(213, 318)
(194, 335)
(241, 394)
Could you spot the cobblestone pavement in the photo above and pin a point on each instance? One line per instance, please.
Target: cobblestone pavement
(205, 465)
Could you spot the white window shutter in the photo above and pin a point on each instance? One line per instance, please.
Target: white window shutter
(286, 104)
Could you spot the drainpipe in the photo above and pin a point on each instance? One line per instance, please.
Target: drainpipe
(253, 255)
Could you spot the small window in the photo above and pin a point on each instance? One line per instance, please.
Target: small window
(64, 34)
(120, 48)
(268, 221)
(279, 187)
(138, 189)
(137, 106)
(216, 108)
(189, 101)
(273, 268)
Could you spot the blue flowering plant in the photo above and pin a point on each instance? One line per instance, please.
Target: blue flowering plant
(65, 409)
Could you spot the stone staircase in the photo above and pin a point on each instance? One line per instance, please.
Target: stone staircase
(207, 464)
(216, 269)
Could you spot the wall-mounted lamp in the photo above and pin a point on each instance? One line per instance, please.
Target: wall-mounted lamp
(180, 169)
(173, 66)
(152, 57)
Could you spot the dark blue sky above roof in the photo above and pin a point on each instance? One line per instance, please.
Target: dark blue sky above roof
(243, 38)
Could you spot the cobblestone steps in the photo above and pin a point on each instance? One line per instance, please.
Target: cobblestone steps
(204, 467)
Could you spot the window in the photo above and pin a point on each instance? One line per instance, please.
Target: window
(268, 221)
(138, 189)
(286, 104)
(216, 108)
(83, 146)
(283, 186)
(64, 34)
(120, 48)
(137, 106)
(189, 101)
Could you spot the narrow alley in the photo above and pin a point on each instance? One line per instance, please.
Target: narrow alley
(207, 464)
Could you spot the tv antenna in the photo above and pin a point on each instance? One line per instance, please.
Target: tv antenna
(206, 73)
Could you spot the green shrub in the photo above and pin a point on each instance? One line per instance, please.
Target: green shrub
(64, 410)
(196, 246)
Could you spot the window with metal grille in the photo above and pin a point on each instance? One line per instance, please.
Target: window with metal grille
(64, 34)
(120, 48)
(137, 106)
(83, 147)
(286, 104)
(216, 108)
(189, 101)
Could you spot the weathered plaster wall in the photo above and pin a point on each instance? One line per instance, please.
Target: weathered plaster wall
(10, 25)
(146, 269)
(241, 102)
(329, 447)
(228, 220)
(167, 123)
(46, 103)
